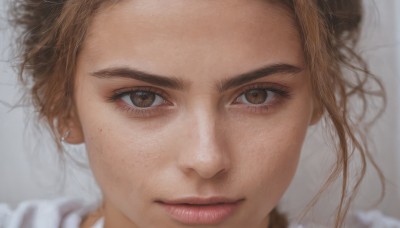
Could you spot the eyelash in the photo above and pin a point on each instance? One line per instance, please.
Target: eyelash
(280, 92)
(140, 112)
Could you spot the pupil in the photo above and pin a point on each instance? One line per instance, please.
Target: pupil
(256, 96)
(143, 99)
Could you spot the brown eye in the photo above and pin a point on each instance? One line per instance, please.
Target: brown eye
(256, 96)
(142, 99)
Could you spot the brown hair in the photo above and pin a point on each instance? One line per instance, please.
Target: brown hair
(53, 33)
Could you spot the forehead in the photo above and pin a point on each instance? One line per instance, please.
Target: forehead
(194, 32)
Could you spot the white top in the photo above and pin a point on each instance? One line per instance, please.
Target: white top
(59, 213)
(68, 213)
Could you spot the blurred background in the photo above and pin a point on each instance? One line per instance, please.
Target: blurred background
(30, 167)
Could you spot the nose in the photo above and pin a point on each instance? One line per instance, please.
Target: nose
(205, 151)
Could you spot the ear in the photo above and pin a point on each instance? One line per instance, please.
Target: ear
(70, 127)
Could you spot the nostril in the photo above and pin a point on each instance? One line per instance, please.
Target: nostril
(207, 168)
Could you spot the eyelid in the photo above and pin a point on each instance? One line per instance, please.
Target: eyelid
(281, 90)
(281, 94)
(137, 112)
(121, 92)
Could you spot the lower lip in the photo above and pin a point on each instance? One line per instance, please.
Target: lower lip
(200, 214)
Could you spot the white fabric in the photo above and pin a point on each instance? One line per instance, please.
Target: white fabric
(99, 224)
(374, 219)
(60, 213)
(68, 213)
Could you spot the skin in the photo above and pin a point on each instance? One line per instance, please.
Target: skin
(200, 141)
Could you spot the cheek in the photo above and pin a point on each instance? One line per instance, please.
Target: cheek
(268, 149)
(120, 156)
(268, 162)
(270, 152)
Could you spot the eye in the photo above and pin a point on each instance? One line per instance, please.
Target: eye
(141, 102)
(261, 97)
(256, 97)
(142, 99)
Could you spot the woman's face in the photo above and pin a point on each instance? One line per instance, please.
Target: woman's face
(193, 112)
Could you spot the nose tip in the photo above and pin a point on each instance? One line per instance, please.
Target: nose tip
(207, 163)
(205, 152)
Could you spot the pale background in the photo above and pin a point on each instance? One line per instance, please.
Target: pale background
(30, 168)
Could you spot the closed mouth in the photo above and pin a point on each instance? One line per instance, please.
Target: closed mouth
(201, 211)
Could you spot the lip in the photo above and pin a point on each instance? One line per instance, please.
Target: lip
(200, 211)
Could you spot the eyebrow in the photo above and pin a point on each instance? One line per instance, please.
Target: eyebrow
(256, 74)
(126, 72)
(178, 84)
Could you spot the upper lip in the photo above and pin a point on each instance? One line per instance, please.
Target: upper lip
(201, 201)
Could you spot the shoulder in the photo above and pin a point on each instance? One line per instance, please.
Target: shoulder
(63, 212)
